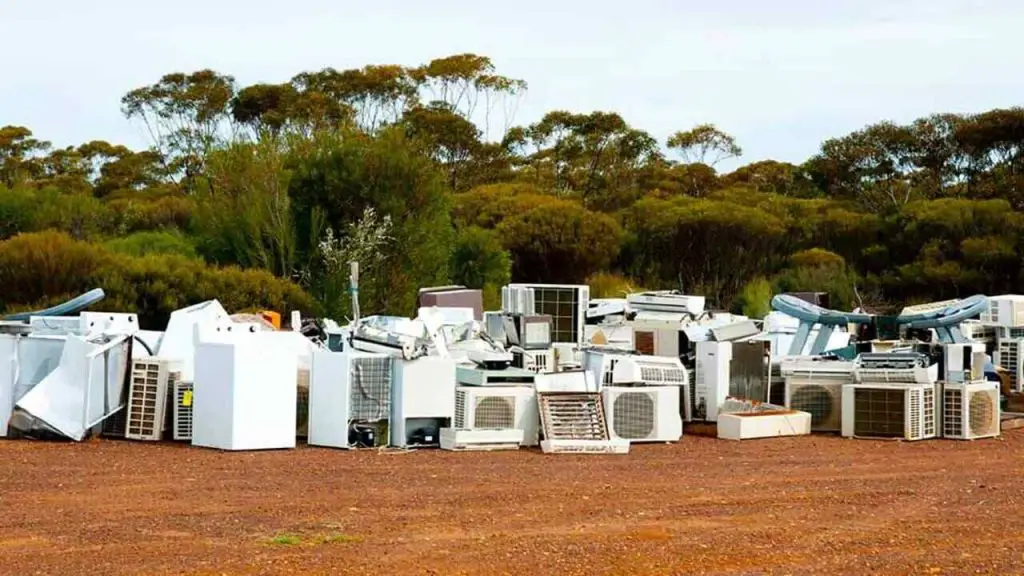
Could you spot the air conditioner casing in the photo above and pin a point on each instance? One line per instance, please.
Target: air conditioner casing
(970, 410)
(567, 304)
(963, 362)
(906, 411)
(643, 413)
(1010, 355)
(711, 383)
(1006, 310)
(498, 407)
(482, 439)
(650, 371)
(819, 396)
(538, 361)
(147, 398)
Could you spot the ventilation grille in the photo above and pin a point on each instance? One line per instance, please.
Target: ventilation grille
(633, 415)
(609, 371)
(115, 425)
(822, 401)
(983, 413)
(540, 362)
(879, 412)
(494, 412)
(1009, 358)
(563, 305)
(147, 398)
(371, 389)
(182, 410)
(953, 412)
(460, 410)
(570, 416)
(661, 374)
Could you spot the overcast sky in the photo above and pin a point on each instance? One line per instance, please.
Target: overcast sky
(780, 75)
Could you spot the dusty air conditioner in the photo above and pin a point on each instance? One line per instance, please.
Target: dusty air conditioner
(963, 362)
(643, 414)
(711, 386)
(906, 411)
(650, 371)
(1010, 355)
(666, 301)
(896, 368)
(422, 400)
(566, 304)
(821, 398)
(528, 331)
(970, 410)
(498, 408)
(151, 378)
(538, 361)
(1006, 311)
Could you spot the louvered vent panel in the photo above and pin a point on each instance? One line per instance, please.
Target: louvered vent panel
(494, 412)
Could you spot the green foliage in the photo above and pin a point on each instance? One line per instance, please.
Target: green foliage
(754, 300)
(610, 285)
(561, 243)
(480, 261)
(818, 270)
(153, 242)
(47, 267)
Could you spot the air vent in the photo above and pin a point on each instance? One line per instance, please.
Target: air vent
(182, 410)
(495, 412)
(147, 400)
(633, 415)
(822, 401)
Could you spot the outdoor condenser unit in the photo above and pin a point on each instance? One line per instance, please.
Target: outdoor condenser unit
(906, 411)
(1006, 310)
(422, 400)
(815, 386)
(1010, 355)
(151, 378)
(349, 399)
(498, 408)
(643, 413)
(970, 410)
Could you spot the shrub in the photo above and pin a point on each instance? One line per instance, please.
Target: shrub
(480, 261)
(44, 268)
(153, 242)
(754, 301)
(610, 285)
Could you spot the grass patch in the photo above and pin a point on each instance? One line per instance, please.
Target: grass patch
(286, 540)
(337, 539)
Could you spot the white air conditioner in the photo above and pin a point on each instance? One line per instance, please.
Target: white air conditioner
(970, 410)
(567, 356)
(963, 362)
(643, 413)
(348, 392)
(181, 420)
(498, 407)
(906, 411)
(666, 301)
(1010, 355)
(817, 367)
(422, 400)
(1006, 310)
(711, 386)
(482, 439)
(822, 398)
(929, 375)
(650, 371)
(975, 331)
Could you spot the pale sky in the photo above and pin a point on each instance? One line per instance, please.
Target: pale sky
(780, 75)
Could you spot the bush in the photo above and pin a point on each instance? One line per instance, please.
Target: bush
(153, 242)
(754, 301)
(45, 268)
(480, 261)
(609, 285)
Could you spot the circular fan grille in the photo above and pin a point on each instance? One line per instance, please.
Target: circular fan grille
(633, 416)
(816, 400)
(495, 412)
(982, 413)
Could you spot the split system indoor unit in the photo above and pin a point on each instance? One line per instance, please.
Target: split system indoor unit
(1006, 310)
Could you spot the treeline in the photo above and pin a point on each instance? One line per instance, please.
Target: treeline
(261, 195)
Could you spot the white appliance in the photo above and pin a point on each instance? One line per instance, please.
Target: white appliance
(970, 410)
(643, 413)
(1006, 310)
(498, 407)
(815, 385)
(528, 331)
(422, 400)
(1010, 355)
(650, 371)
(666, 301)
(145, 412)
(711, 386)
(178, 342)
(25, 360)
(572, 416)
(567, 304)
(915, 375)
(108, 323)
(483, 439)
(750, 425)
(907, 411)
(475, 376)
(182, 418)
(348, 389)
(538, 361)
(245, 389)
(661, 333)
(963, 362)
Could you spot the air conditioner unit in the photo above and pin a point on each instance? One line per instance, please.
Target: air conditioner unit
(643, 413)
(822, 398)
(817, 367)
(182, 411)
(906, 411)
(666, 301)
(1010, 355)
(1000, 333)
(650, 371)
(349, 399)
(567, 356)
(1006, 310)
(528, 331)
(483, 439)
(573, 421)
(151, 378)
(503, 407)
(918, 375)
(422, 400)
(711, 386)
(970, 410)
(108, 322)
(538, 361)
(963, 362)
(474, 376)
(567, 305)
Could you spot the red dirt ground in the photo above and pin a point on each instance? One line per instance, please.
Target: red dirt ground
(813, 505)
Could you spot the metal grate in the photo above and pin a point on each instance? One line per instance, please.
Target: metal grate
(822, 401)
(633, 415)
(1009, 358)
(572, 416)
(644, 342)
(115, 425)
(371, 389)
(953, 412)
(182, 410)
(147, 400)
(879, 412)
(927, 419)
(982, 409)
(460, 410)
(494, 412)
(661, 374)
(563, 305)
(540, 362)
